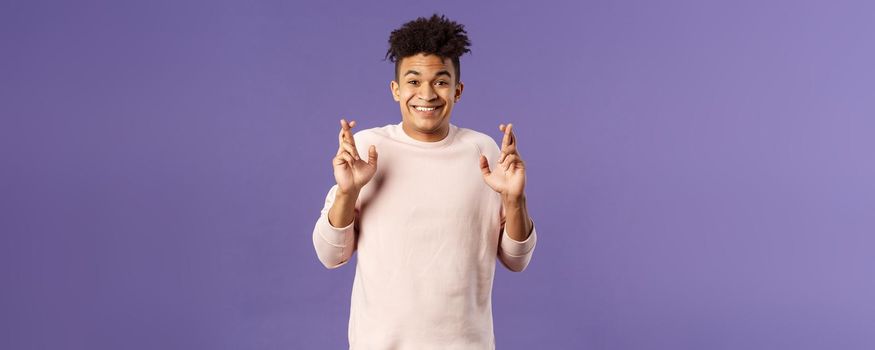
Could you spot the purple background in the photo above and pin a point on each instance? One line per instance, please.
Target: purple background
(701, 173)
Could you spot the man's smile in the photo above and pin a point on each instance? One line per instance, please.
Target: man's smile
(427, 108)
(428, 111)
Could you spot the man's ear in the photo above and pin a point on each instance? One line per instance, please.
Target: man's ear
(459, 87)
(393, 86)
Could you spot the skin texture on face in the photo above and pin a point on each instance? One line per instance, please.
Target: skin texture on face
(426, 81)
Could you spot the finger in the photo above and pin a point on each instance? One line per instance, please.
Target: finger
(340, 134)
(346, 147)
(506, 139)
(372, 155)
(347, 157)
(484, 166)
(509, 161)
(340, 160)
(346, 127)
(511, 136)
(510, 149)
(501, 156)
(348, 132)
(350, 138)
(351, 149)
(506, 151)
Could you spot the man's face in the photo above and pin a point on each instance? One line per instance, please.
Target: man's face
(426, 91)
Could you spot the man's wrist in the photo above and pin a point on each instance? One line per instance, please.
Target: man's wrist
(514, 201)
(347, 195)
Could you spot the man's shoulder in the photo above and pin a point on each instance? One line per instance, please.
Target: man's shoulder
(372, 135)
(483, 141)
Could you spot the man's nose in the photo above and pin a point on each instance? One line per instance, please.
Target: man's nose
(426, 93)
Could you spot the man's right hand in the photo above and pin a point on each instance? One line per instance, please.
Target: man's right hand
(350, 171)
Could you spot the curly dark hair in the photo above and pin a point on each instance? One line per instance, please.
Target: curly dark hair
(436, 35)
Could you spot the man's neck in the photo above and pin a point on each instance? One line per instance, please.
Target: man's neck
(425, 137)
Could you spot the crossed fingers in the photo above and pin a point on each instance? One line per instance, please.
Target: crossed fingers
(509, 154)
(346, 143)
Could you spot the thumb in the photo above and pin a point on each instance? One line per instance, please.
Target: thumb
(484, 166)
(372, 155)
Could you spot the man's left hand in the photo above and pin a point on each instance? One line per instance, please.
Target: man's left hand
(510, 178)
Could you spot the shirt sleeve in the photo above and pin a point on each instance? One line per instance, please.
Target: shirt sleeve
(334, 245)
(515, 255)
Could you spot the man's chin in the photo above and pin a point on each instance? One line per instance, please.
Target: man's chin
(428, 126)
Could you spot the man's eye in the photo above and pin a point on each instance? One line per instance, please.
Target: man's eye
(442, 82)
(414, 82)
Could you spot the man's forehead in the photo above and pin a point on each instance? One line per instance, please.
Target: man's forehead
(425, 64)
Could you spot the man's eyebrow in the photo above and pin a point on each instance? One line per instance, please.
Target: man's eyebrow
(443, 72)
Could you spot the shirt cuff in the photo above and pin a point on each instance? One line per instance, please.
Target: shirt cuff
(336, 236)
(515, 248)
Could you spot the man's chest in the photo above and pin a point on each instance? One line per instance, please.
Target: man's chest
(448, 183)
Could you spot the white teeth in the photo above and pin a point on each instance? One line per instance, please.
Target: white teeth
(425, 109)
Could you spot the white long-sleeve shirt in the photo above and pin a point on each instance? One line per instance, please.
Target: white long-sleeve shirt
(427, 230)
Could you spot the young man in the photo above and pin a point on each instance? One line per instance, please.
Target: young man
(430, 214)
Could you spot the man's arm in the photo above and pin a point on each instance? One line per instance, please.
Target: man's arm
(517, 223)
(334, 234)
(335, 243)
(518, 238)
(342, 211)
(515, 249)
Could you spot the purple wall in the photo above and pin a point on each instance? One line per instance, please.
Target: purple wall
(702, 173)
